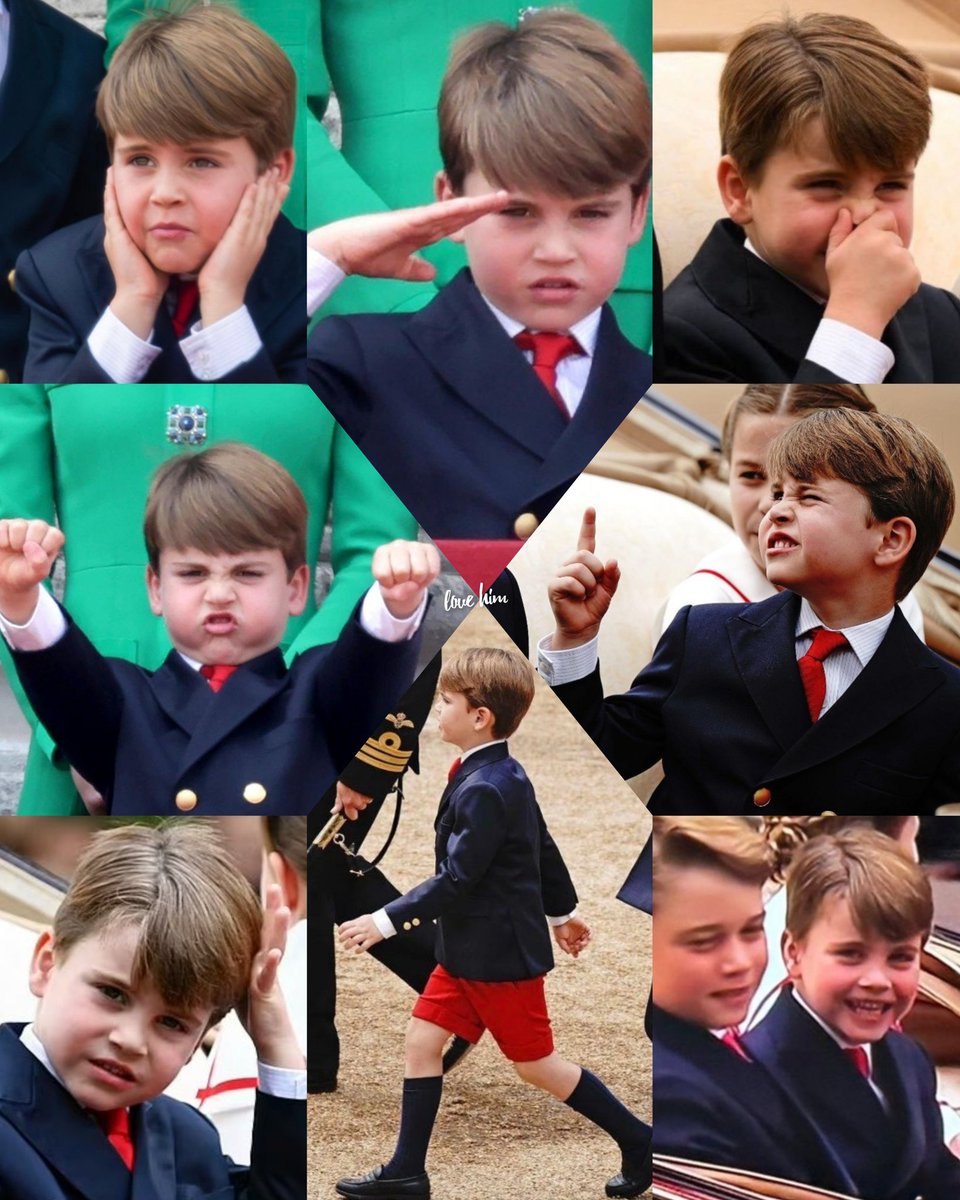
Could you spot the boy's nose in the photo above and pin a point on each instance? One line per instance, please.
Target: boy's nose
(554, 245)
(862, 207)
(128, 1035)
(166, 187)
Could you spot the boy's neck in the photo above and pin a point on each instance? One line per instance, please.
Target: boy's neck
(465, 751)
(586, 328)
(838, 611)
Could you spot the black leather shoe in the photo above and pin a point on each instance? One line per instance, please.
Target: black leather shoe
(632, 1180)
(372, 1184)
(455, 1053)
(314, 1086)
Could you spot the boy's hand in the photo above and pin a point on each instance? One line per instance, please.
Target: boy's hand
(384, 245)
(349, 802)
(94, 803)
(224, 277)
(140, 286)
(572, 936)
(264, 1015)
(27, 552)
(404, 571)
(871, 272)
(582, 589)
(359, 934)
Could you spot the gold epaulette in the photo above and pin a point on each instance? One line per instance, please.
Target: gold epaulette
(385, 753)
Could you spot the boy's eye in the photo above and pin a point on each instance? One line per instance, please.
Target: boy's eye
(117, 995)
(174, 1024)
(752, 476)
(251, 573)
(594, 214)
(516, 210)
(140, 160)
(893, 185)
(824, 184)
(776, 494)
(203, 163)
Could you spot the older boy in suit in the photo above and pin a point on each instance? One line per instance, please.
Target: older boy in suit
(498, 873)
(858, 912)
(444, 402)
(52, 156)
(770, 706)
(191, 274)
(822, 121)
(223, 724)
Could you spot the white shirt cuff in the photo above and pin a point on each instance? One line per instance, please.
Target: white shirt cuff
(850, 353)
(564, 666)
(554, 921)
(46, 626)
(383, 923)
(282, 1082)
(377, 620)
(323, 279)
(118, 351)
(213, 351)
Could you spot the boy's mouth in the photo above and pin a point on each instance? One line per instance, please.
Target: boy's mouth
(115, 1070)
(170, 232)
(554, 289)
(780, 543)
(220, 623)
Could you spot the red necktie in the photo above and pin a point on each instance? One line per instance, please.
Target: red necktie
(548, 349)
(858, 1056)
(732, 1039)
(812, 674)
(116, 1125)
(217, 675)
(454, 768)
(187, 293)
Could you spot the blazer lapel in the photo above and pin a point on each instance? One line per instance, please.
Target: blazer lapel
(182, 693)
(33, 52)
(466, 346)
(481, 758)
(155, 1164)
(908, 336)
(896, 1077)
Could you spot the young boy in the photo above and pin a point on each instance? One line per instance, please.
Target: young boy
(223, 724)
(157, 938)
(858, 913)
(498, 872)
(711, 1102)
(765, 706)
(190, 273)
(443, 401)
(822, 121)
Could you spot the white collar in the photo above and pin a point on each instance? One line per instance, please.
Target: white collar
(32, 1043)
(821, 300)
(585, 330)
(483, 745)
(864, 639)
(832, 1033)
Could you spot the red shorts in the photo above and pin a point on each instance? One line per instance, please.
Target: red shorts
(515, 1013)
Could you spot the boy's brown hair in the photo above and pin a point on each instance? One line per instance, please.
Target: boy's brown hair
(789, 400)
(898, 469)
(555, 103)
(225, 500)
(871, 94)
(203, 73)
(288, 836)
(501, 680)
(785, 835)
(733, 846)
(889, 894)
(198, 920)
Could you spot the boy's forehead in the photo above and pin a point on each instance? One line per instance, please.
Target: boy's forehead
(173, 555)
(545, 191)
(837, 921)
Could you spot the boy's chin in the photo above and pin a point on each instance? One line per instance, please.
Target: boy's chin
(175, 260)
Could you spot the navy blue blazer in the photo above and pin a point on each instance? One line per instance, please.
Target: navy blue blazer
(143, 737)
(730, 316)
(446, 408)
(52, 1149)
(891, 1155)
(721, 703)
(52, 153)
(498, 873)
(67, 284)
(711, 1105)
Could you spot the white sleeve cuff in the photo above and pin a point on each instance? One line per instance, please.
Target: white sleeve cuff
(383, 923)
(215, 350)
(377, 620)
(46, 626)
(118, 351)
(282, 1082)
(850, 353)
(554, 921)
(564, 666)
(323, 279)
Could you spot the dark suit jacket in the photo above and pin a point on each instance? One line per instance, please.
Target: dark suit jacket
(730, 316)
(52, 1149)
(52, 154)
(721, 703)
(67, 283)
(140, 737)
(498, 872)
(445, 407)
(891, 1156)
(712, 1105)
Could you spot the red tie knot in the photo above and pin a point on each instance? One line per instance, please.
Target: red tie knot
(217, 674)
(858, 1056)
(732, 1039)
(454, 768)
(825, 641)
(548, 348)
(116, 1125)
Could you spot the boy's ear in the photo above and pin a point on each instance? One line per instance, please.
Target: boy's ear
(734, 191)
(284, 162)
(285, 874)
(41, 965)
(638, 218)
(483, 718)
(443, 190)
(153, 592)
(900, 533)
(299, 589)
(790, 949)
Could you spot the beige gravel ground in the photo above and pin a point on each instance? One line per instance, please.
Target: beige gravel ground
(497, 1138)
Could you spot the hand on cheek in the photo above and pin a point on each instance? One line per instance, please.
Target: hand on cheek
(226, 274)
(140, 287)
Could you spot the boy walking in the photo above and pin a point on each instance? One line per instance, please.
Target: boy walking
(498, 873)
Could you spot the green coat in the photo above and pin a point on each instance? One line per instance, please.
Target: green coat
(85, 454)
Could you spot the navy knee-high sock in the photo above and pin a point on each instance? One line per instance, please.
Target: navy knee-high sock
(418, 1112)
(594, 1100)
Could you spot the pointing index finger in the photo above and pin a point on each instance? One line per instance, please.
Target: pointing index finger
(587, 539)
